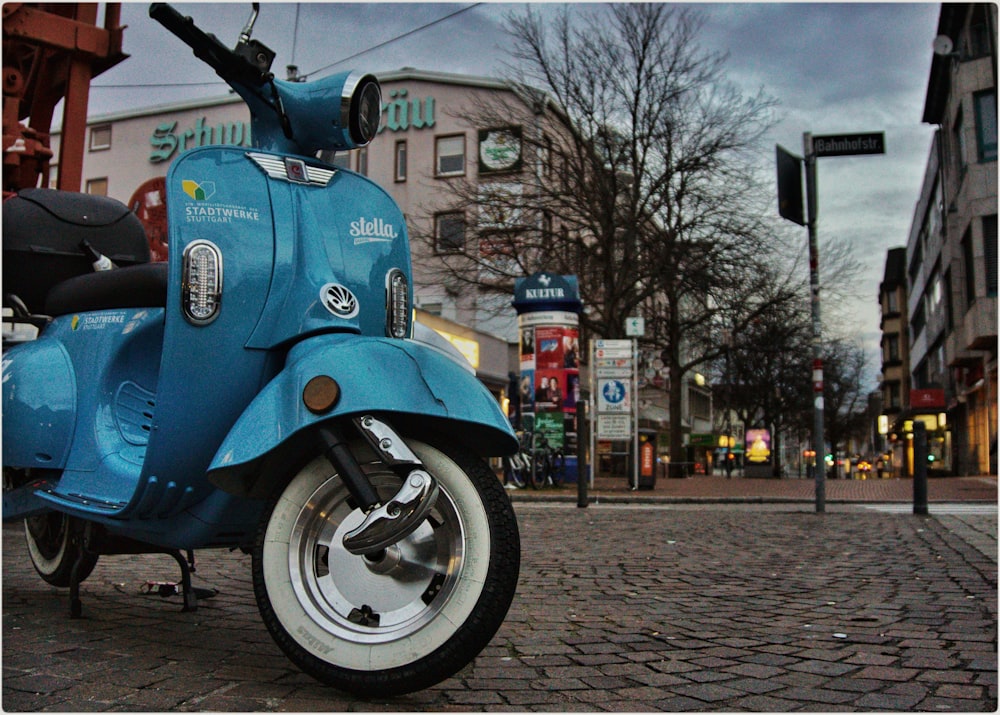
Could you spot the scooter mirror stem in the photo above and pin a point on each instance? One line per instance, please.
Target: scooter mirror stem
(248, 28)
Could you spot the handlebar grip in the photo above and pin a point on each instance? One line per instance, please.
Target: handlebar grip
(207, 47)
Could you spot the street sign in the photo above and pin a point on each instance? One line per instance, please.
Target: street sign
(614, 352)
(615, 427)
(635, 327)
(624, 373)
(614, 387)
(613, 395)
(849, 144)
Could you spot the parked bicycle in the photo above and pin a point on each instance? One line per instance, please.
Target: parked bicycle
(549, 463)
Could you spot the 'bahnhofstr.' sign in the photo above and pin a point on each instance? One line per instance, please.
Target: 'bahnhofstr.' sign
(849, 144)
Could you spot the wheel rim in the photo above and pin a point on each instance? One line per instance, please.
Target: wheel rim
(373, 600)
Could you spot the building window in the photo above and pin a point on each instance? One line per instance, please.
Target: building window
(986, 124)
(340, 159)
(400, 161)
(891, 348)
(892, 394)
(891, 302)
(970, 269)
(958, 145)
(948, 310)
(918, 320)
(935, 292)
(449, 233)
(98, 187)
(100, 138)
(449, 155)
(977, 42)
(990, 253)
(545, 157)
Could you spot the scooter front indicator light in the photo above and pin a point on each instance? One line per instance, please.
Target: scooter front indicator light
(397, 323)
(201, 289)
(320, 394)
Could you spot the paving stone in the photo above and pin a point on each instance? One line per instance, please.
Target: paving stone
(598, 623)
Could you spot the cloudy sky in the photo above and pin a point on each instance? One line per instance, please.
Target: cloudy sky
(835, 68)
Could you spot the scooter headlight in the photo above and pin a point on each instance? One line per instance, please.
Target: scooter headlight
(201, 290)
(361, 108)
(397, 304)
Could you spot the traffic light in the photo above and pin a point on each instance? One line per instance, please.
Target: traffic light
(789, 185)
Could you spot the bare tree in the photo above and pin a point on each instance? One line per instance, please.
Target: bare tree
(844, 394)
(638, 179)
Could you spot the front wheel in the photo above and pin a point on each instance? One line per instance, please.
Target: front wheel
(407, 617)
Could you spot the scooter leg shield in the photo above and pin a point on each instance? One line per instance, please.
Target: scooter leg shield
(413, 385)
(39, 405)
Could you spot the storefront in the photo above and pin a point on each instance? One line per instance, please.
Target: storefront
(927, 407)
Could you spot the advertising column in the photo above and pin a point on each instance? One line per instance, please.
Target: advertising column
(548, 317)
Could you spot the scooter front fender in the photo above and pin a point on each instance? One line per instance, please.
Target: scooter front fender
(415, 386)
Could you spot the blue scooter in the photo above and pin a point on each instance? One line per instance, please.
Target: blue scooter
(263, 390)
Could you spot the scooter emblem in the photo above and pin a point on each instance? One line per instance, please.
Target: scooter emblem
(339, 300)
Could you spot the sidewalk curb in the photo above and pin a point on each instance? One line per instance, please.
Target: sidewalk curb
(597, 499)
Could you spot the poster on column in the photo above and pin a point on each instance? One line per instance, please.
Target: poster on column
(549, 390)
(551, 425)
(549, 347)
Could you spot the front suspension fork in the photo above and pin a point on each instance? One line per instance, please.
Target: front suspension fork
(384, 523)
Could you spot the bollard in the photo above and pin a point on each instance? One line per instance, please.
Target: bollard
(919, 468)
(582, 476)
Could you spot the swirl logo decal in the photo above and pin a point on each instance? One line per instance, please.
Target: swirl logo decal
(339, 300)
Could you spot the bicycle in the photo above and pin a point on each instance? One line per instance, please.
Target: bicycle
(549, 464)
(516, 468)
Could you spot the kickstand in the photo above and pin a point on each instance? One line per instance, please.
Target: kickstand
(75, 605)
(187, 566)
(184, 560)
(81, 536)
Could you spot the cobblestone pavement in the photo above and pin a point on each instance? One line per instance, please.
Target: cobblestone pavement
(620, 607)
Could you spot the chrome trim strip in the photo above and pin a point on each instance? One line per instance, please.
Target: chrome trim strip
(277, 168)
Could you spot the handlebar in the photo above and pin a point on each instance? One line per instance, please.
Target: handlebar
(249, 65)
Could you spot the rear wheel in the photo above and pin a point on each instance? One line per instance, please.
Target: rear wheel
(54, 546)
(407, 617)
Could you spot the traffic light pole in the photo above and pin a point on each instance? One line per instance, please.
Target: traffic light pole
(812, 205)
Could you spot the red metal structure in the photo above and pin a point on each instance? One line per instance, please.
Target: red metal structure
(51, 51)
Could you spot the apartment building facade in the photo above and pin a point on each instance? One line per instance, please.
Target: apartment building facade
(951, 254)
(895, 383)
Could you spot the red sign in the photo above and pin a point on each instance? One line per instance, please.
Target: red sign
(647, 452)
(933, 398)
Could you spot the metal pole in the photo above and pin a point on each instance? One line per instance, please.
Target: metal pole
(581, 453)
(635, 415)
(813, 209)
(919, 468)
(594, 417)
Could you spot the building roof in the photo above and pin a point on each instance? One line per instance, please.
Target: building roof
(400, 75)
(939, 85)
(895, 269)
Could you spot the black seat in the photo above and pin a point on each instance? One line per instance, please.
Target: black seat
(141, 286)
(43, 230)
